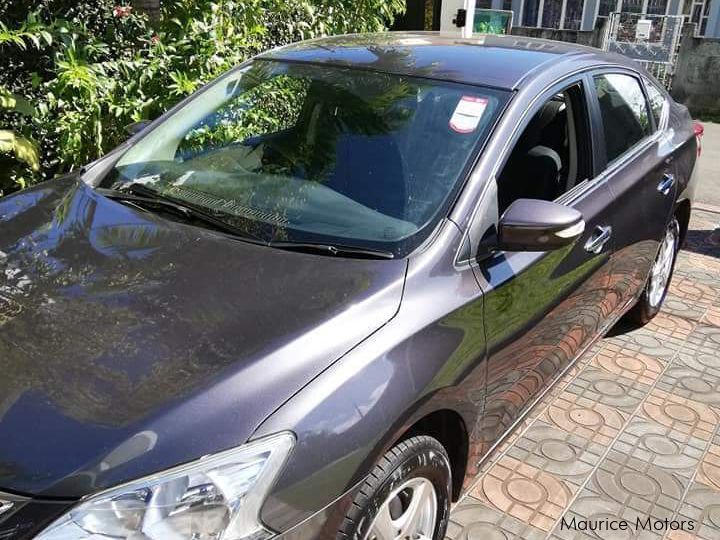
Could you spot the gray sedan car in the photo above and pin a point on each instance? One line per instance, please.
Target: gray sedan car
(310, 299)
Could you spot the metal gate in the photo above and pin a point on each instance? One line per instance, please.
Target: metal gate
(650, 39)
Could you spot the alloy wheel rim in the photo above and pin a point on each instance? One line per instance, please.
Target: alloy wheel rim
(408, 513)
(662, 267)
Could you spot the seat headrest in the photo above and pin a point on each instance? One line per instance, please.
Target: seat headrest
(541, 151)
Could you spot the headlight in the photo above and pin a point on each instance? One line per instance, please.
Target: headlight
(217, 497)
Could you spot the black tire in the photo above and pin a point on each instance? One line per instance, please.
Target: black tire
(416, 457)
(644, 310)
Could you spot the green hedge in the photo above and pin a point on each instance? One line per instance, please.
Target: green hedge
(90, 68)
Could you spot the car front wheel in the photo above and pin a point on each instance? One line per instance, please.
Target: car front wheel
(656, 288)
(406, 495)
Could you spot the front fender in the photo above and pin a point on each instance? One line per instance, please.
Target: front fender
(428, 358)
(344, 422)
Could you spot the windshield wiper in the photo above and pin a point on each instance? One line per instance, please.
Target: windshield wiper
(334, 249)
(143, 196)
(151, 198)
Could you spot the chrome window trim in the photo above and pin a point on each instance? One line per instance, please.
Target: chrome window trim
(631, 153)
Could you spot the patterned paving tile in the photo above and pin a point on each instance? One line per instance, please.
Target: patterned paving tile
(649, 343)
(685, 381)
(710, 244)
(698, 267)
(591, 507)
(709, 470)
(661, 446)
(688, 259)
(705, 337)
(474, 520)
(585, 417)
(666, 324)
(712, 315)
(682, 414)
(631, 432)
(628, 363)
(691, 290)
(540, 409)
(684, 308)
(706, 363)
(568, 457)
(701, 506)
(643, 488)
(524, 492)
(703, 219)
(608, 389)
(644, 476)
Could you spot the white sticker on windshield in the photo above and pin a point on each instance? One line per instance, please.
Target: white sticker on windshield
(467, 114)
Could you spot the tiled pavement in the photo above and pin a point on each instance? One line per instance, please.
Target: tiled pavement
(631, 431)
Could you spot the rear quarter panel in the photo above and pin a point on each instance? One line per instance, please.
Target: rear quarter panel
(683, 147)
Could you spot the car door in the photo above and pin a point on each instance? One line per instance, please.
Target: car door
(638, 168)
(542, 309)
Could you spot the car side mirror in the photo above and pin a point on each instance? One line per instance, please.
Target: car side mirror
(136, 127)
(536, 225)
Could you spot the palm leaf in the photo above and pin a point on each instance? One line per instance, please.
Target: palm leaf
(22, 148)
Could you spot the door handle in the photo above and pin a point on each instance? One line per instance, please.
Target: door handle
(666, 184)
(600, 237)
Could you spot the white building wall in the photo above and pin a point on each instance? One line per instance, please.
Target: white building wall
(448, 13)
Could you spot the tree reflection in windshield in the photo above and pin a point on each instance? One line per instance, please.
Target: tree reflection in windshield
(302, 152)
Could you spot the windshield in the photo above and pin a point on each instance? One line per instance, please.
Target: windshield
(293, 152)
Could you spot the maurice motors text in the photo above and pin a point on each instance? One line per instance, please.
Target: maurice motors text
(639, 524)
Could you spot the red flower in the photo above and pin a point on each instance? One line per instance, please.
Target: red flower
(122, 11)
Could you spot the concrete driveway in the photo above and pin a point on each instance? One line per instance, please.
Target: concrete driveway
(709, 189)
(631, 431)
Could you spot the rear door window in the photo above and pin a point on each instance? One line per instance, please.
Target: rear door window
(624, 112)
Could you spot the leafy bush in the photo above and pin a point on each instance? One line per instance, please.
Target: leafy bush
(91, 68)
(22, 148)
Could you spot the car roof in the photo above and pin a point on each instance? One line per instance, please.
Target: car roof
(487, 60)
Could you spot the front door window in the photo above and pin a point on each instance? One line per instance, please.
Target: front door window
(552, 155)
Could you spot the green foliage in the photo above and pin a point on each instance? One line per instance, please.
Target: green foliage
(266, 108)
(21, 148)
(93, 67)
(30, 31)
(16, 103)
(489, 28)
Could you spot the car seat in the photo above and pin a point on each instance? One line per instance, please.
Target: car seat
(533, 170)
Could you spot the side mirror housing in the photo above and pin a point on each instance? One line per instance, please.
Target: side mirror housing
(136, 127)
(536, 225)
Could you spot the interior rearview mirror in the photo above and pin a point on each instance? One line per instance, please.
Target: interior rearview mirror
(536, 225)
(136, 127)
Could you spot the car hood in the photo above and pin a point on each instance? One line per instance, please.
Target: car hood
(130, 343)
